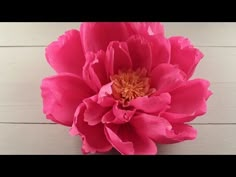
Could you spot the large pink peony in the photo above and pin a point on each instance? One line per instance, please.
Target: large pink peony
(124, 86)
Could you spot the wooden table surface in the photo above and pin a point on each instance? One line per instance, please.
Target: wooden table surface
(24, 129)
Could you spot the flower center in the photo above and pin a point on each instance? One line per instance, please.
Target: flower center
(130, 85)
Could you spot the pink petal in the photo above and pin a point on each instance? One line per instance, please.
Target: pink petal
(184, 132)
(108, 117)
(61, 95)
(105, 97)
(161, 50)
(184, 54)
(66, 54)
(93, 137)
(188, 101)
(179, 133)
(124, 147)
(94, 72)
(153, 32)
(146, 28)
(118, 115)
(122, 115)
(160, 130)
(94, 112)
(118, 57)
(97, 36)
(140, 52)
(151, 126)
(167, 77)
(152, 104)
(124, 138)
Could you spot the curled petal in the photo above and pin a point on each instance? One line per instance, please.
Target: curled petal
(152, 104)
(93, 137)
(61, 96)
(146, 28)
(160, 130)
(167, 77)
(97, 36)
(184, 54)
(94, 71)
(66, 54)
(118, 115)
(94, 112)
(117, 57)
(188, 101)
(124, 138)
(140, 52)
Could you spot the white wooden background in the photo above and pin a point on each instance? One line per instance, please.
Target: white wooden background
(24, 129)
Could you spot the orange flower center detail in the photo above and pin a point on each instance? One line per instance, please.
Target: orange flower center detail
(130, 85)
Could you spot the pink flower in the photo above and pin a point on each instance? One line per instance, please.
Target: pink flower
(124, 86)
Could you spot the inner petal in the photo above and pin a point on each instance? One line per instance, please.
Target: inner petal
(128, 85)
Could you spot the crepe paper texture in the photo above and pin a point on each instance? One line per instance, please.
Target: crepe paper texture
(124, 86)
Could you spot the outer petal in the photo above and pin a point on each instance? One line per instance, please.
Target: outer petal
(128, 142)
(140, 52)
(167, 77)
(183, 132)
(61, 95)
(188, 101)
(146, 28)
(151, 126)
(184, 54)
(97, 36)
(118, 57)
(160, 130)
(152, 104)
(179, 133)
(94, 72)
(66, 54)
(93, 137)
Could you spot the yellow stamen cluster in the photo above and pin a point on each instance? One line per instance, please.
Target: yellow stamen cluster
(130, 85)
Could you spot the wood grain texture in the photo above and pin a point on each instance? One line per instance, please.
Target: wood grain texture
(204, 34)
(55, 139)
(41, 34)
(32, 34)
(37, 139)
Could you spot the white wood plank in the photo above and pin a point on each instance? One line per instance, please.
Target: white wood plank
(28, 34)
(22, 114)
(37, 139)
(212, 139)
(204, 34)
(218, 64)
(54, 139)
(221, 105)
(23, 65)
(201, 34)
